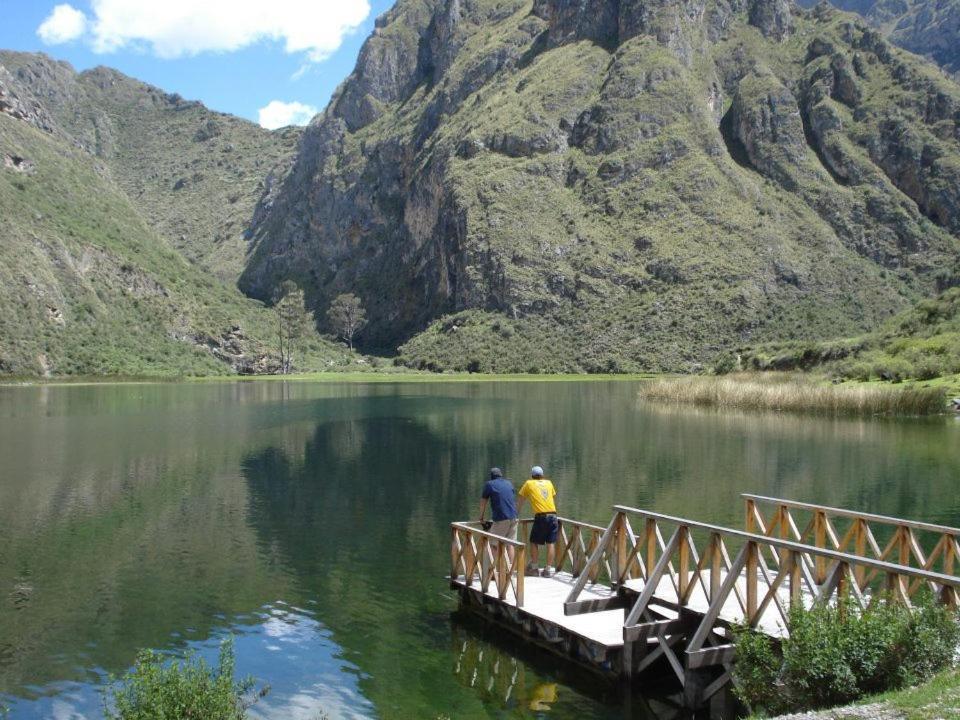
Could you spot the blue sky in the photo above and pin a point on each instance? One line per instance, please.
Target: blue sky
(236, 56)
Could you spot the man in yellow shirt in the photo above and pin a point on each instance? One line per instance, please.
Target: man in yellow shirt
(541, 493)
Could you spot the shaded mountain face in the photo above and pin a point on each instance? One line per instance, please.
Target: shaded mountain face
(926, 27)
(608, 185)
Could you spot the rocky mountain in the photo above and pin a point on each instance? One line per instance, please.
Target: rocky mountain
(124, 212)
(926, 27)
(605, 185)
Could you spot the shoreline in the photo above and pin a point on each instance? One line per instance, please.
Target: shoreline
(327, 377)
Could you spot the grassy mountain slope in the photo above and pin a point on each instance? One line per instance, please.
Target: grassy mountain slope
(195, 175)
(921, 343)
(926, 27)
(88, 287)
(619, 186)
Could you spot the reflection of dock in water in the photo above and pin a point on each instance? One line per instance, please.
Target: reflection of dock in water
(505, 673)
(652, 591)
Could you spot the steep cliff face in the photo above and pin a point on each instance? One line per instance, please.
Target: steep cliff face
(588, 185)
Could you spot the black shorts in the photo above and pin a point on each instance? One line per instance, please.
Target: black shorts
(545, 529)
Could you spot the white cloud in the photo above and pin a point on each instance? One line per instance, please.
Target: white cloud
(63, 24)
(278, 114)
(176, 28)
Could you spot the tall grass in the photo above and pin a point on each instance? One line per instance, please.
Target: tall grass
(795, 392)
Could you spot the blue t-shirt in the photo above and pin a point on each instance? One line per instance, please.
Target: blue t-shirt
(500, 494)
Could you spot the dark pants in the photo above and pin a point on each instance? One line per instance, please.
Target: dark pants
(545, 529)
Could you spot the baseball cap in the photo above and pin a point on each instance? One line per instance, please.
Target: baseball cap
(536, 471)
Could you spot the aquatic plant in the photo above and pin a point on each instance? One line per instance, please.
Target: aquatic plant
(796, 392)
(157, 688)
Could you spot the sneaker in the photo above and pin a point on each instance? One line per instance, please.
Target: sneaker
(549, 571)
(532, 571)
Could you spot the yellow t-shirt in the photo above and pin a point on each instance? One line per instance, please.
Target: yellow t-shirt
(540, 493)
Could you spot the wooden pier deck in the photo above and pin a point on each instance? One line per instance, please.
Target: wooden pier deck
(669, 593)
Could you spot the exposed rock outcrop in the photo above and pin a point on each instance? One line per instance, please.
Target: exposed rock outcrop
(624, 180)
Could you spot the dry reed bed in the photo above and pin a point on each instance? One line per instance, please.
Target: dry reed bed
(785, 391)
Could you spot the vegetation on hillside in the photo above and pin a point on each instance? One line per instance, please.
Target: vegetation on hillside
(88, 288)
(921, 343)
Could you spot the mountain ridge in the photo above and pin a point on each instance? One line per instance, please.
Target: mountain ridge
(97, 276)
(638, 135)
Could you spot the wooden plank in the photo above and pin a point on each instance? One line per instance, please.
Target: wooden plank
(717, 655)
(580, 607)
(644, 631)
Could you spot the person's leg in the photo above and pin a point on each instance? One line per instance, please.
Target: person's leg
(550, 552)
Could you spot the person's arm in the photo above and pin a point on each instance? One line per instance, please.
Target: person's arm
(520, 498)
(483, 508)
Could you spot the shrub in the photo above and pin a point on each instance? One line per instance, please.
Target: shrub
(158, 689)
(835, 656)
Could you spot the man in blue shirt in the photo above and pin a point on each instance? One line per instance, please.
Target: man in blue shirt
(498, 492)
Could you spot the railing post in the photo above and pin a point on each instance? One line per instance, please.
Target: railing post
(715, 559)
(620, 550)
(577, 556)
(796, 589)
(948, 554)
(903, 549)
(860, 547)
(752, 551)
(469, 559)
(784, 524)
(503, 578)
(650, 535)
(520, 568)
(454, 555)
(684, 564)
(820, 541)
(749, 523)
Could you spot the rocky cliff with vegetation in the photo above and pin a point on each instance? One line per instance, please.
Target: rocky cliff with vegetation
(124, 219)
(605, 185)
(507, 185)
(926, 27)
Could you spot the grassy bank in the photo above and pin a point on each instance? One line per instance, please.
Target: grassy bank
(797, 392)
(938, 699)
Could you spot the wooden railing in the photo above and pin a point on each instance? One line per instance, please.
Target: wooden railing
(576, 542)
(726, 574)
(904, 542)
(483, 557)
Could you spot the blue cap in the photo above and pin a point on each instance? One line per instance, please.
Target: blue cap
(537, 471)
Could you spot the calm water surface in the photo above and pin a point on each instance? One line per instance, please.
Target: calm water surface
(310, 521)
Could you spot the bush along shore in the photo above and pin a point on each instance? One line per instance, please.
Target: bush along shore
(838, 655)
(797, 392)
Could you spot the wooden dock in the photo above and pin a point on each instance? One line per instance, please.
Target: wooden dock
(650, 588)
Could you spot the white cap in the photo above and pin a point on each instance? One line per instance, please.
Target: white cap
(536, 471)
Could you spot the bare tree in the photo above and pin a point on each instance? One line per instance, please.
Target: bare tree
(293, 321)
(347, 316)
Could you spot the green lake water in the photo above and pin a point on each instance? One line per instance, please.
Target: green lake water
(310, 521)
